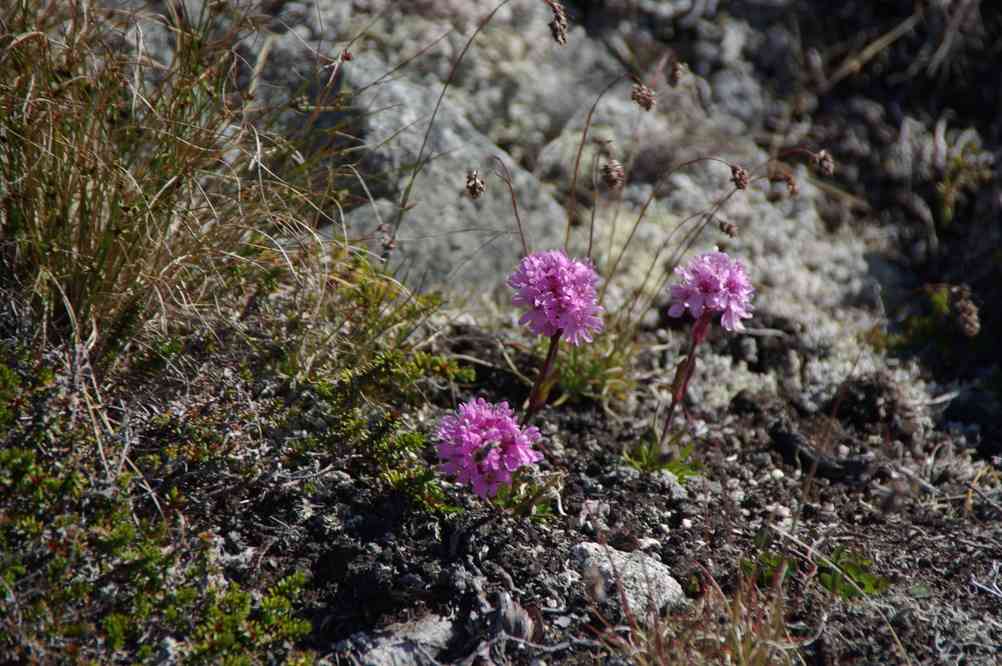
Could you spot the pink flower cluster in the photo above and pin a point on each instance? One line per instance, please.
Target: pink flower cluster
(559, 294)
(482, 444)
(713, 282)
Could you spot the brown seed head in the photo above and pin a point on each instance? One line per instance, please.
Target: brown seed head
(728, 228)
(675, 72)
(791, 184)
(780, 173)
(645, 98)
(739, 177)
(558, 26)
(475, 185)
(613, 174)
(825, 162)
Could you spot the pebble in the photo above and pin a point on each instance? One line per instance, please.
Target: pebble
(779, 511)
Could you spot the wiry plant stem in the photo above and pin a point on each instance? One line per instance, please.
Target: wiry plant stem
(421, 159)
(572, 196)
(683, 374)
(541, 388)
(643, 212)
(505, 175)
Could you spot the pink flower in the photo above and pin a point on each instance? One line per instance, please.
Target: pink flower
(711, 283)
(482, 445)
(559, 294)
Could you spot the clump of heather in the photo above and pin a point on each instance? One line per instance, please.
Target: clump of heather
(559, 296)
(482, 444)
(712, 284)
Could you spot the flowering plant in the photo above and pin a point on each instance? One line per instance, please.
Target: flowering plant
(482, 444)
(560, 300)
(711, 283)
(559, 296)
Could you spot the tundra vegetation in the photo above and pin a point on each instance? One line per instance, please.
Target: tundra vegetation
(235, 428)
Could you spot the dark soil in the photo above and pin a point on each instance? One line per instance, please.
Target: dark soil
(774, 481)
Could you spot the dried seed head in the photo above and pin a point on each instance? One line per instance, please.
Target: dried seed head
(780, 174)
(729, 228)
(558, 26)
(675, 72)
(791, 184)
(645, 98)
(825, 162)
(965, 310)
(475, 185)
(388, 242)
(613, 174)
(739, 177)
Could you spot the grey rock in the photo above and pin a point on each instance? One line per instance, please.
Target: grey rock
(169, 652)
(646, 583)
(446, 239)
(739, 94)
(401, 644)
(515, 84)
(670, 484)
(510, 618)
(622, 474)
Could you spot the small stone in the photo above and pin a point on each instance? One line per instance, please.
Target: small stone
(640, 581)
(779, 511)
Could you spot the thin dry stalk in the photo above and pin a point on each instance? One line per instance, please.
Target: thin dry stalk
(421, 158)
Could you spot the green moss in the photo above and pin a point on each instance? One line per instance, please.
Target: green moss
(361, 411)
(933, 327)
(9, 391)
(849, 574)
(99, 575)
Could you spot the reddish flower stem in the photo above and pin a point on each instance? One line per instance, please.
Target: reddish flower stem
(683, 374)
(540, 390)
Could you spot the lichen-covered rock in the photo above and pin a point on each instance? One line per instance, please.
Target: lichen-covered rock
(646, 584)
